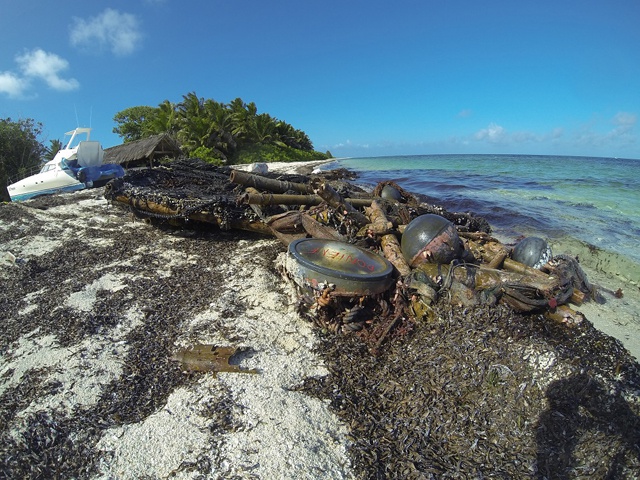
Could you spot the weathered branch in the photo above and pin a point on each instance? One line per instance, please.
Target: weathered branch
(264, 183)
(334, 199)
(393, 253)
(291, 199)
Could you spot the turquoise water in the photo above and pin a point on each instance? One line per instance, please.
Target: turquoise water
(582, 205)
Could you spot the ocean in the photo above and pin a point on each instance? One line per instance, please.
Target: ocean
(585, 206)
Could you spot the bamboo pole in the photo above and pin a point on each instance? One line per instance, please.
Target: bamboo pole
(334, 199)
(393, 253)
(291, 199)
(264, 183)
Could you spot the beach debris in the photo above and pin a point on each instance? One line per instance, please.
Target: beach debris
(534, 252)
(352, 270)
(7, 258)
(369, 264)
(260, 168)
(431, 238)
(209, 358)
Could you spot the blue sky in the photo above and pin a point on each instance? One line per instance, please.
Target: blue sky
(361, 78)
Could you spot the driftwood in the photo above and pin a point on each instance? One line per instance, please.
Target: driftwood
(523, 292)
(208, 358)
(318, 230)
(382, 227)
(145, 208)
(287, 222)
(264, 183)
(379, 225)
(393, 253)
(334, 199)
(290, 199)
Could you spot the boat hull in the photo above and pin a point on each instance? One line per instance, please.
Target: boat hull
(44, 184)
(75, 167)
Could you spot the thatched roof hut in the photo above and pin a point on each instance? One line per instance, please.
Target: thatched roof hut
(145, 152)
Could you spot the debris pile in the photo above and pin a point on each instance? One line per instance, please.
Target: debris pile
(427, 252)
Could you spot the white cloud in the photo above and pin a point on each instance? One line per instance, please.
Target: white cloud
(625, 119)
(118, 32)
(466, 113)
(40, 65)
(46, 66)
(621, 135)
(12, 85)
(493, 133)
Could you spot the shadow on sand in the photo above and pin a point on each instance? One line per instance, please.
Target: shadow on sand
(580, 411)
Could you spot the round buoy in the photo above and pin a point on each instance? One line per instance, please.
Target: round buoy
(431, 239)
(532, 251)
(391, 193)
(316, 263)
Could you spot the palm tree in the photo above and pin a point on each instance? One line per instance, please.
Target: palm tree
(221, 136)
(244, 117)
(263, 129)
(194, 128)
(50, 151)
(164, 120)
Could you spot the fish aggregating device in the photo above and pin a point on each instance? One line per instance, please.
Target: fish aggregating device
(316, 264)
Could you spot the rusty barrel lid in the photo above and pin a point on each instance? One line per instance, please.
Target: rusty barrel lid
(353, 270)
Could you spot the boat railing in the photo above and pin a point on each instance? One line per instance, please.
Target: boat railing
(24, 173)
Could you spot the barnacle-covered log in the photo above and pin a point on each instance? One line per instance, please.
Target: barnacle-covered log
(393, 253)
(291, 199)
(148, 208)
(287, 222)
(334, 199)
(318, 230)
(523, 292)
(270, 184)
(379, 225)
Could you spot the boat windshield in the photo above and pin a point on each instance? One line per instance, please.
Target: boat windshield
(47, 167)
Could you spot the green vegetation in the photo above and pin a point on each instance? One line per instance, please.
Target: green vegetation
(218, 133)
(20, 151)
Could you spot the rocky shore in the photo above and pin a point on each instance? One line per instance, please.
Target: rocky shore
(95, 302)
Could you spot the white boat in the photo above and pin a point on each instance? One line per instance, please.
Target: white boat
(76, 166)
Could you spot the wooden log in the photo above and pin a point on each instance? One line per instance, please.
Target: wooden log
(209, 358)
(498, 260)
(334, 199)
(287, 222)
(393, 253)
(264, 183)
(477, 236)
(319, 230)
(290, 199)
(287, 238)
(565, 314)
(379, 225)
(577, 298)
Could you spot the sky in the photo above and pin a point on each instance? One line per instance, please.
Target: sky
(361, 78)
